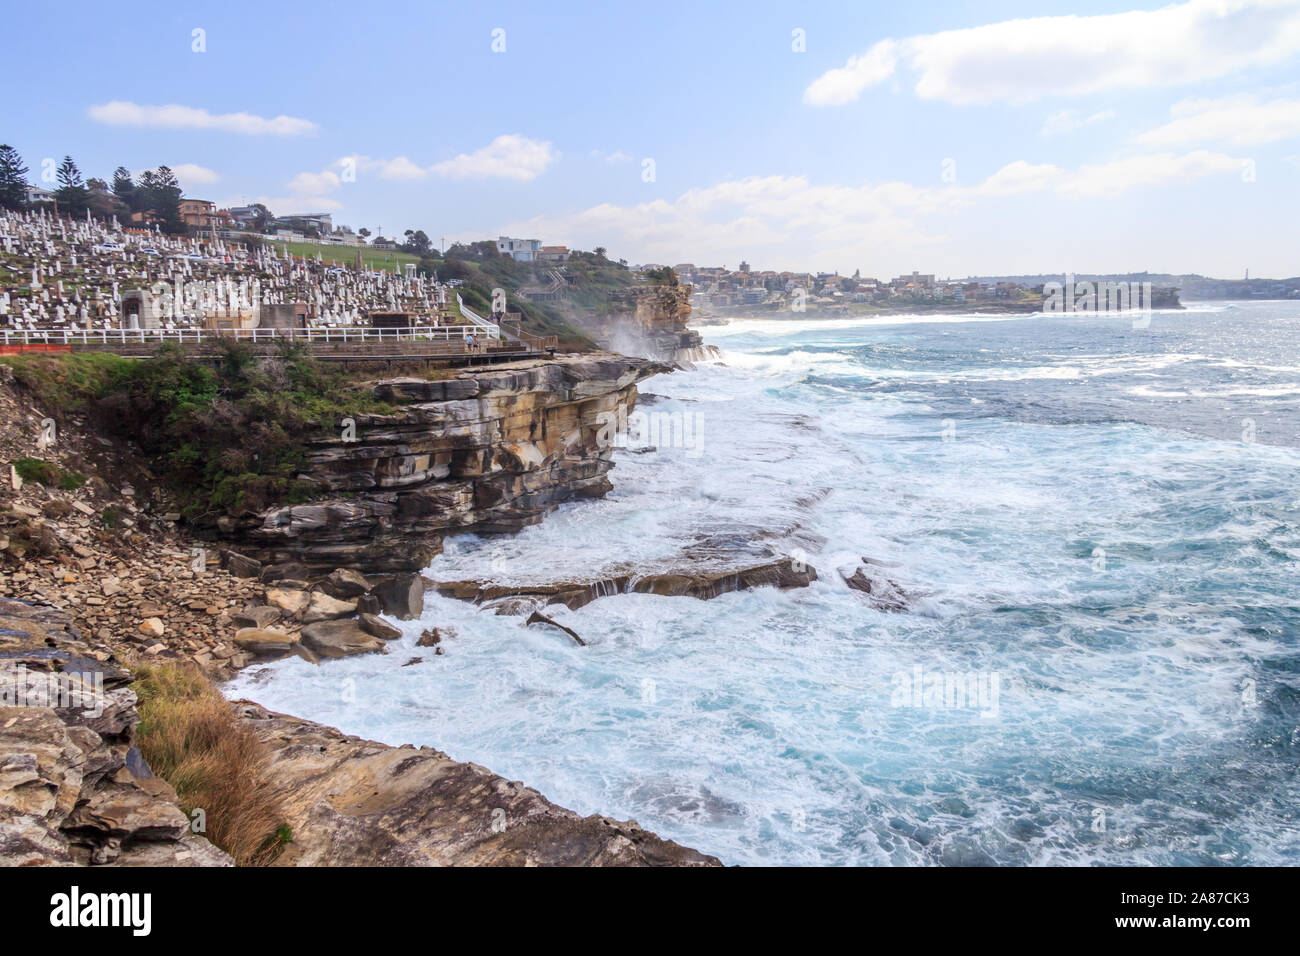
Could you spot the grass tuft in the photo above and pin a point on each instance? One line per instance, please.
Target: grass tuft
(190, 736)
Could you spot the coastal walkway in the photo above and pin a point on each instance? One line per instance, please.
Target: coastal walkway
(446, 344)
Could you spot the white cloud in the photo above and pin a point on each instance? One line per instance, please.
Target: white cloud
(313, 184)
(771, 218)
(1067, 121)
(843, 85)
(1231, 120)
(1020, 177)
(285, 205)
(1111, 179)
(399, 168)
(617, 156)
(1024, 60)
(190, 174)
(507, 157)
(124, 113)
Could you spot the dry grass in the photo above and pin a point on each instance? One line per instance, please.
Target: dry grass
(191, 738)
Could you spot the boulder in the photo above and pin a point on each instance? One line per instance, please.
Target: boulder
(241, 566)
(378, 627)
(291, 601)
(256, 616)
(402, 596)
(345, 583)
(433, 636)
(340, 638)
(326, 608)
(264, 642)
(882, 593)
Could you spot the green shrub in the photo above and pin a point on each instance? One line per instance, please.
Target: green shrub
(37, 471)
(229, 439)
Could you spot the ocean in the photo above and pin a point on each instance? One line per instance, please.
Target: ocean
(1099, 526)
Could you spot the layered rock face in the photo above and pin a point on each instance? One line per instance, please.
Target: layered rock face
(354, 802)
(73, 787)
(652, 324)
(487, 451)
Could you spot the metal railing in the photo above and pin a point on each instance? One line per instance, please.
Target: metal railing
(490, 328)
(341, 334)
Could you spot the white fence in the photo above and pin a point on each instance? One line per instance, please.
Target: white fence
(491, 328)
(427, 333)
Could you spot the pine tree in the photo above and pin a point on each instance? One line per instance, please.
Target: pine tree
(13, 179)
(72, 193)
(167, 205)
(124, 188)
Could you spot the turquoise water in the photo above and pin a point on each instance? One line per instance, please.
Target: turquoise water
(1101, 525)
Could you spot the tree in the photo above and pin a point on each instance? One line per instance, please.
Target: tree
(264, 216)
(124, 189)
(72, 193)
(417, 243)
(160, 193)
(13, 179)
(100, 198)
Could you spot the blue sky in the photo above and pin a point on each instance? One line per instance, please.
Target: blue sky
(951, 138)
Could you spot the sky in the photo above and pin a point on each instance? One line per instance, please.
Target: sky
(949, 138)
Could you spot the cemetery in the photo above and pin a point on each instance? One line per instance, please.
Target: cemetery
(75, 285)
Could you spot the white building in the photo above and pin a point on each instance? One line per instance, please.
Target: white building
(524, 250)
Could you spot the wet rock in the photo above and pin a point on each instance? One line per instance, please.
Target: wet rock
(537, 617)
(433, 636)
(882, 593)
(339, 639)
(701, 583)
(353, 802)
(378, 627)
(402, 596)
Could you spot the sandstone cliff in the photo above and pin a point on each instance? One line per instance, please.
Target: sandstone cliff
(488, 451)
(650, 322)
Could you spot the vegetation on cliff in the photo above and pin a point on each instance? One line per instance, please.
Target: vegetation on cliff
(190, 736)
(594, 286)
(229, 439)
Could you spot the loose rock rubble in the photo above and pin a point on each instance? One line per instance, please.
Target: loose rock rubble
(73, 787)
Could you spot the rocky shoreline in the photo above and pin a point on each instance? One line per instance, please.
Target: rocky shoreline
(491, 450)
